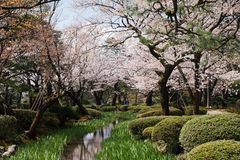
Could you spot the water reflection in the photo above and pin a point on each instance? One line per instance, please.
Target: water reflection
(86, 147)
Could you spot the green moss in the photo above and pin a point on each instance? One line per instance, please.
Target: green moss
(216, 150)
(210, 128)
(167, 131)
(147, 132)
(137, 126)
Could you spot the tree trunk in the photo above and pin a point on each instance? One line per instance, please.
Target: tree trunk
(98, 97)
(116, 95)
(149, 101)
(114, 99)
(32, 130)
(164, 97)
(136, 98)
(19, 99)
(77, 100)
(197, 94)
(119, 98)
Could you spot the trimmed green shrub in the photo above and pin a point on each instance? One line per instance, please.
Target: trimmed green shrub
(136, 109)
(108, 108)
(167, 132)
(175, 111)
(153, 112)
(189, 110)
(158, 112)
(216, 150)
(137, 126)
(147, 132)
(123, 108)
(24, 118)
(209, 128)
(50, 119)
(93, 112)
(64, 113)
(147, 109)
(8, 127)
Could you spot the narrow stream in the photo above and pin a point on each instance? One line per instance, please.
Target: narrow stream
(87, 146)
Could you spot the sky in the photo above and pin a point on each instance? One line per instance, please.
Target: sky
(67, 14)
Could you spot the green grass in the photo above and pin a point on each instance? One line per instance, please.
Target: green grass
(50, 147)
(123, 146)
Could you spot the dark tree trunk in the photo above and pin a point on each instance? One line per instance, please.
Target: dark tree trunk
(164, 97)
(136, 98)
(7, 96)
(19, 99)
(114, 99)
(197, 94)
(32, 130)
(77, 100)
(119, 98)
(149, 101)
(98, 97)
(224, 98)
(116, 95)
(163, 89)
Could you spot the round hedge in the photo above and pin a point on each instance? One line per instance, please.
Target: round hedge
(158, 112)
(147, 132)
(209, 128)
(216, 150)
(93, 112)
(24, 118)
(137, 126)
(167, 131)
(123, 108)
(137, 109)
(189, 110)
(8, 127)
(108, 108)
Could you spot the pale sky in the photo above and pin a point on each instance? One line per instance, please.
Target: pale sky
(67, 14)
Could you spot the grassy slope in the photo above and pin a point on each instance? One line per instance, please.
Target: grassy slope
(123, 146)
(50, 147)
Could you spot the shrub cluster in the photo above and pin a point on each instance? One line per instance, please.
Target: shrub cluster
(94, 113)
(108, 108)
(147, 132)
(123, 108)
(189, 110)
(158, 112)
(137, 126)
(8, 127)
(166, 133)
(210, 128)
(24, 118)
(216, 150)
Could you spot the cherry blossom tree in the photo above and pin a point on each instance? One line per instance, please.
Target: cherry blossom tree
(173, 30)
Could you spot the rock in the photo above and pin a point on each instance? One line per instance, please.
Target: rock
(11, 149)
